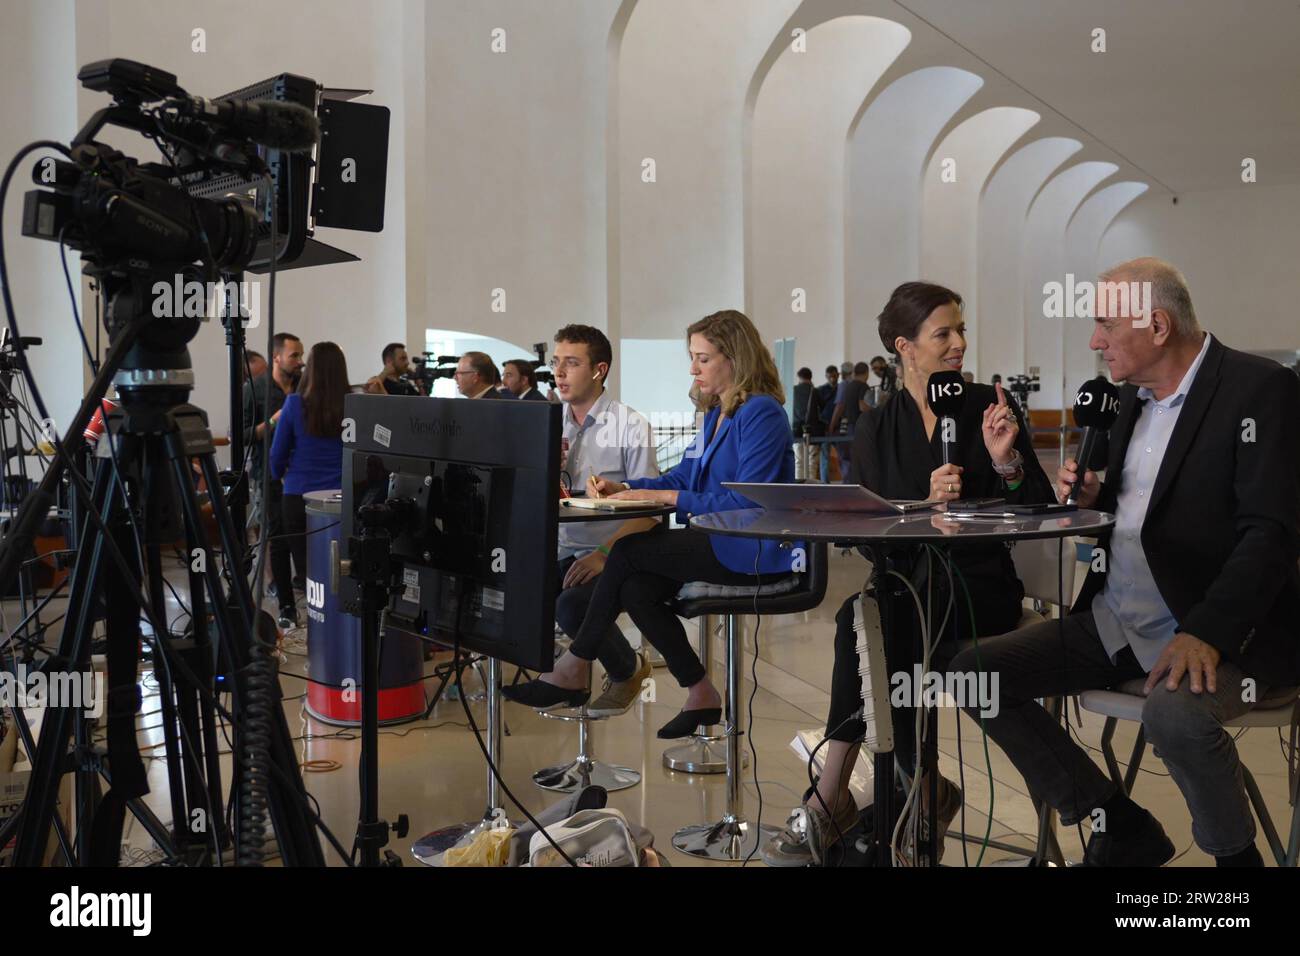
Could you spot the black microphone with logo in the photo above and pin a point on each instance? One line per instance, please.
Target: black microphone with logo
(1096, 407)
(947, 394)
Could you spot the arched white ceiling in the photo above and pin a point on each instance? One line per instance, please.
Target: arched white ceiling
(1082, 245)
(954, 181)
(1043, 261)
(1003, 208)
(684, 67)
(886, 154)
(796, 194)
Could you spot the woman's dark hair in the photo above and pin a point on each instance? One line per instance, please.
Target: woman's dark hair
(324, 383)
(908, 307)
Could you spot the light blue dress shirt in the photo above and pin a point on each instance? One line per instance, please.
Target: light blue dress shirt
(1129, 611)
(613, 442)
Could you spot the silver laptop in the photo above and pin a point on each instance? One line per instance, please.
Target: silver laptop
(835, 498)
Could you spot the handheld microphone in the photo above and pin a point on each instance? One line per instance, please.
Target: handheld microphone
(1096, 407)
(284, 126)
(947, 394)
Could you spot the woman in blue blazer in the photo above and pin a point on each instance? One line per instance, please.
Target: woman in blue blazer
(745, 437)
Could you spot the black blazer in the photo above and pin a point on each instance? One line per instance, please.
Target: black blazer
(1222, 531)
(892, 457)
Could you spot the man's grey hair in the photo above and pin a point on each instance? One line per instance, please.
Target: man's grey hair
(1168, 290)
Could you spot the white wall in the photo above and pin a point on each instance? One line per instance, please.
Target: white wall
(683, 70)
(1238, 249)
(800, 140)
(954, 181)
(886, 157)
(39, 67)
(1003, 206)
(514, 166)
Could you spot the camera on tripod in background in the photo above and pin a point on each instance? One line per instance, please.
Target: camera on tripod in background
(428, 367)
(541, 371)
(1021, 385)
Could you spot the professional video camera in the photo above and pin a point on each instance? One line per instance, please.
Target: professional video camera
(1021, 385)
(428, 367)
(540, 369)
(140, 226)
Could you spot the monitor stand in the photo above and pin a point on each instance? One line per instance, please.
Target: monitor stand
(431, 849)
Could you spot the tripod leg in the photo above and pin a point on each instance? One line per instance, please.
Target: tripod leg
(198, 715)
(178, 784)
(49, 758)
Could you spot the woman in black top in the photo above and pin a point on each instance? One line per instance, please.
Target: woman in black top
(897, 453)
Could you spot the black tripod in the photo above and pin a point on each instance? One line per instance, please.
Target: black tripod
(156, 437)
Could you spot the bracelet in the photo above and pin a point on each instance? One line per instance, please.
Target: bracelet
(1013, 485)
(603, 550)
(1010, 469)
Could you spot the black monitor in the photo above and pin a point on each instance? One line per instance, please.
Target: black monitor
(480, 481)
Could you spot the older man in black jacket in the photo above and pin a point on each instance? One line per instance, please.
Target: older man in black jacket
(1195, 589)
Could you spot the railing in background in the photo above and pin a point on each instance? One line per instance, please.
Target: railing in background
(671, 443)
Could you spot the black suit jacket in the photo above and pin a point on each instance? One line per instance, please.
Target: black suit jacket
(532, 395)
(1222, 531)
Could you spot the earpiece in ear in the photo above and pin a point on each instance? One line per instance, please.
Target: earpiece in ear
(596, 377)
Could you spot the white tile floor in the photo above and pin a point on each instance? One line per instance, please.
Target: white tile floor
(433, 770)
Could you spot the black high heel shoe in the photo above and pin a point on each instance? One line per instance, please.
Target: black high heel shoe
(543, 696)
(684, 724)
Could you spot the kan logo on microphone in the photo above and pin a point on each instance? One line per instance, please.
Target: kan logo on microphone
(1106, 403)
(945, 390)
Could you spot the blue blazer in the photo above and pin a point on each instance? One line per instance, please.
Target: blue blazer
(753, 445)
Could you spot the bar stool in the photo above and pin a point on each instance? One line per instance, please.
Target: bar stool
(733, 838)
(706, 752)
(584, 770)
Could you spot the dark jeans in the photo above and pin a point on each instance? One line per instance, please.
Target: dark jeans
(614, 653)
(995, 613)
(1185, 729)
(643, 573)
(287, 524)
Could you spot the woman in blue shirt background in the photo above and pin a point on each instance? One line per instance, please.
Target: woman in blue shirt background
(307, 452)
(745, 437)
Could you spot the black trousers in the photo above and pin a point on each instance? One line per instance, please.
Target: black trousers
(287, 525)
(996, 607)
(643, 573)
(614, 653)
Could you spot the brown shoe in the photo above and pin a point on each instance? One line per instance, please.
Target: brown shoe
(950, 798)
(617, 697)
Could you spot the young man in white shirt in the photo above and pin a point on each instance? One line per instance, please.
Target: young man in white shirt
(605, 438)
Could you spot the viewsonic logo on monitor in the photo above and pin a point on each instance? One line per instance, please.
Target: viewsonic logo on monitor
(437, 428)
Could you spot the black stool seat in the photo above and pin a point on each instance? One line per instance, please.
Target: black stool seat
(801, 591)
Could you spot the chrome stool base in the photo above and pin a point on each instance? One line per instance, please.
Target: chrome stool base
(584, 770)
(730, 840)
(580, 774)
(701, 755)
